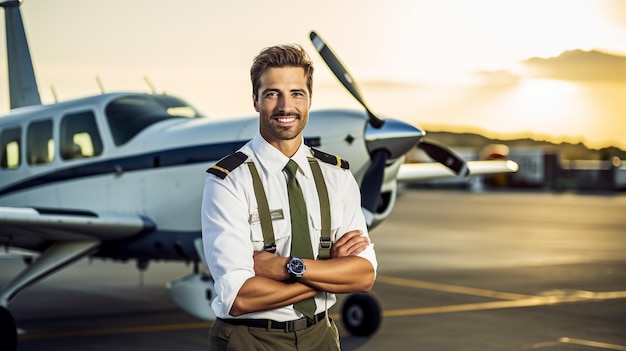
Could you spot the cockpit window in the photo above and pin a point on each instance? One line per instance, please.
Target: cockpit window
(129, 115)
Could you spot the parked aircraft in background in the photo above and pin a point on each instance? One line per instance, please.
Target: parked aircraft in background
(119, 176)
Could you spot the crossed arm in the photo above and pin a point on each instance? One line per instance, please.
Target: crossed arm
(270, 288)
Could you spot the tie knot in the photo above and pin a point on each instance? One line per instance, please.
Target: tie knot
(291, 168)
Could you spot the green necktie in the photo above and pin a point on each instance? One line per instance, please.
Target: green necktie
(300, 238)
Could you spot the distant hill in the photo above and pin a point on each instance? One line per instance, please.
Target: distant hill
(567, 151)
(579, 65)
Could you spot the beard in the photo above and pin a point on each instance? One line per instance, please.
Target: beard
(280, 132)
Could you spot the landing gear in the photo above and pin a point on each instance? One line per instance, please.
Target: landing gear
(54, 258)
(361, 314)
(8, 330)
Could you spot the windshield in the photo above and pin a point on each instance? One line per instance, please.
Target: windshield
(129, 115)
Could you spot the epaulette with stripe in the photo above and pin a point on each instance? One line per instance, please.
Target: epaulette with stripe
(332, 159)
(227, 164)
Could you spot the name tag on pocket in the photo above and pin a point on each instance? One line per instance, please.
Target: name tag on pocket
(274, 214)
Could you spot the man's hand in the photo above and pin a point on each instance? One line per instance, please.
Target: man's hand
(270, 266)
(350, 244)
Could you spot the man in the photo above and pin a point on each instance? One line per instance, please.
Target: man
(259, 293)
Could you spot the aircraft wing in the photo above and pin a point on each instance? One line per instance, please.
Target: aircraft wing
(13, 254)
(415, 172)
(34, 225)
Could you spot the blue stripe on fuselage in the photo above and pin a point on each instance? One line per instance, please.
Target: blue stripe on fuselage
(156, 159)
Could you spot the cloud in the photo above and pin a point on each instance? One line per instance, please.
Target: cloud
(500, 77)
(579, 65)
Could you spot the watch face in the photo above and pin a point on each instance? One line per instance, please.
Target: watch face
(297, 266)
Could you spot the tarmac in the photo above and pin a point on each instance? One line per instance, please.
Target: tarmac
(457, 271)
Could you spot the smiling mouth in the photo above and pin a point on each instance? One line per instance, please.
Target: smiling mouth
(286, 119)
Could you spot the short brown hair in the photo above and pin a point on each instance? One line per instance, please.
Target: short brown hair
(281, 56)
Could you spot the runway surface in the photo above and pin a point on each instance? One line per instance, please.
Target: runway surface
(458, 271)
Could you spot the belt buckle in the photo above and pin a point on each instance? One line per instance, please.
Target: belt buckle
(298, 324)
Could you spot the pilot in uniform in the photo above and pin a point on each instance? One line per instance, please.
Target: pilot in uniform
(232, 228)
(282, 226)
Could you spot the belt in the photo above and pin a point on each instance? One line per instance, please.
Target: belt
(289, 326)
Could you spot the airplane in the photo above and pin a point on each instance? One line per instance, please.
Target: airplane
(120, 175)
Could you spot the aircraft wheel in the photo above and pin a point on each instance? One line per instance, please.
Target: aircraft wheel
(361, 314)
(8, 330)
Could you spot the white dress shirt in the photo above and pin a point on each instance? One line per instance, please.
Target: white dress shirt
(231, 230)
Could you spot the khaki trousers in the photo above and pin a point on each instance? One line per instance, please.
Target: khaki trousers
(228, 337)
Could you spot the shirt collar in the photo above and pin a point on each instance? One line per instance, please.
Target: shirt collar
(273, 161)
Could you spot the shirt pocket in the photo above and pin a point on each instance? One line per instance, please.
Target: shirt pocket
(280, 234)
(336, 220)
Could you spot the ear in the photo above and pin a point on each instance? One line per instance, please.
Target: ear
(255, 102)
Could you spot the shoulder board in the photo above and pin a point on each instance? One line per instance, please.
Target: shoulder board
(226, 165)
(332, 159)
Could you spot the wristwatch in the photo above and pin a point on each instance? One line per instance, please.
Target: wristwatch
(296, 267)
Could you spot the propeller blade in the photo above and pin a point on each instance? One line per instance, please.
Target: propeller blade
(342, 74)
(373, 181)
(445, 156)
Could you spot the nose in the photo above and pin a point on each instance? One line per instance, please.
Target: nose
(284, 102)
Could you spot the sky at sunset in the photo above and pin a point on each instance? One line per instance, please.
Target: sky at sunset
(442, 65)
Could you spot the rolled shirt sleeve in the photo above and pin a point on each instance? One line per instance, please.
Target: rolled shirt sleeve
(353, 218)
(226, 237)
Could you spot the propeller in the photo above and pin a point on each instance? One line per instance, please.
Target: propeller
(386, 140)
(445, 156)
(338, 69)
(373, 181)
(382, 143)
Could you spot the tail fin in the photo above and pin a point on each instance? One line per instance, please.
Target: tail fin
(22, 83)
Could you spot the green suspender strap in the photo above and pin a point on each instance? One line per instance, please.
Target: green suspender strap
(266, 220)
(264, 210)
(322, 194)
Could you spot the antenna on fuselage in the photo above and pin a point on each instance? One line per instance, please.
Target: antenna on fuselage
(54, 93)
(23, 89)
(100, 85)
(150, 85)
